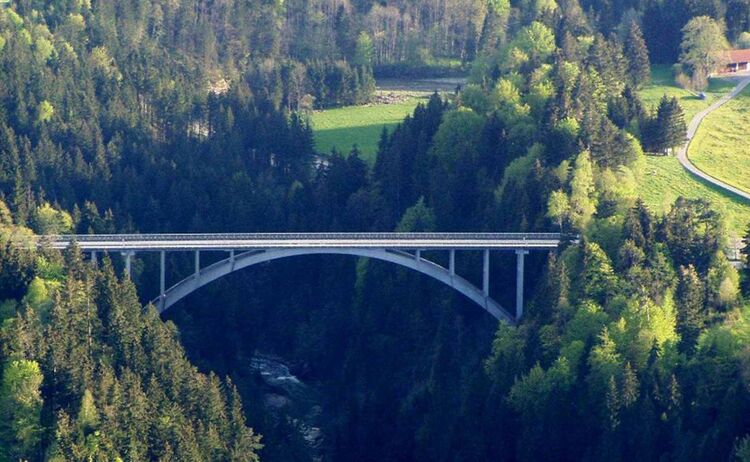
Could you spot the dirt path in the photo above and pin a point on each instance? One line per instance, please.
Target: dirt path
(693, 128)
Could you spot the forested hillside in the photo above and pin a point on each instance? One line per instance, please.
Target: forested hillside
(156, 116)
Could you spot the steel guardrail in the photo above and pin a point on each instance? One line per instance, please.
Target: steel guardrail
(300, 236)
(228, 241)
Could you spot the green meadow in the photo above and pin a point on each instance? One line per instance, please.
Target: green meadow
(720, 147)
(344, 127)
(662, 83)
(664, 179)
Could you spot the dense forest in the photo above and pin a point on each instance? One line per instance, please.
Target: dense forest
(163, 116)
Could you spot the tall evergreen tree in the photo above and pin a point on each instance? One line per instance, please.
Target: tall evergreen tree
(690, 307)
(672, 130)
(639, 66)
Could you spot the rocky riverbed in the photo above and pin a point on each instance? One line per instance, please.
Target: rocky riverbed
(287, 397)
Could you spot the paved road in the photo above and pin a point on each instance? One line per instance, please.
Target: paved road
(693, 127)
(242, 241)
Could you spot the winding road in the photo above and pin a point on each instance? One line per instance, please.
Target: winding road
(693, 128)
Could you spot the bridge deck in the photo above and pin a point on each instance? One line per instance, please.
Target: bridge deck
(241, 241)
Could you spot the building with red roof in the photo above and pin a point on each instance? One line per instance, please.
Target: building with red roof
(737, 61)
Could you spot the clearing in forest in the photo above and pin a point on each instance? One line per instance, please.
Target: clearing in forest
(344, 127)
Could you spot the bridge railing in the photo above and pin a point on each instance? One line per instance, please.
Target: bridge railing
(302, 236)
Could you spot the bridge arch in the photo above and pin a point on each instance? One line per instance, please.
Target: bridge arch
(253, 257)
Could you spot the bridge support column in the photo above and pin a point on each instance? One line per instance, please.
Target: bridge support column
(520, 254)
(452, 262)
(93, 259)
(162, 280)
(231, 259)
(486, 274)
(197, 263)
(128, 256)
(418, 255)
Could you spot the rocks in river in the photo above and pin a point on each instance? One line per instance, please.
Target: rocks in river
(287, 398)
(274, 372)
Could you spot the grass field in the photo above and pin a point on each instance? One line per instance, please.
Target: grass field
(720, 147)
(664, 179)
(358, 125)
(662, 82)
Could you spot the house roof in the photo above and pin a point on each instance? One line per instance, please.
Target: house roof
(739, 56)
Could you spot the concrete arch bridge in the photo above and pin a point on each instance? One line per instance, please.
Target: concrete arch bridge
(248, 249)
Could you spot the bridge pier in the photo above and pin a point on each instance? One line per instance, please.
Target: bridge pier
(520, 254)
(452, 262)
(128, 256)
(486, 273)
(93, 259)
(197, 264)
(162, 276)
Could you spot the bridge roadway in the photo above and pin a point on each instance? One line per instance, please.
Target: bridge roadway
(247, 241)
(247, 249)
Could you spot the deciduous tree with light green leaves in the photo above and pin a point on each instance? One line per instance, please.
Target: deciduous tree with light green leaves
(417, 218)
(47, 220)
(364, 50)
(535, 43)
(20, 410)
(45, 111)
(703, 49)
(583, 192)
(557, 207)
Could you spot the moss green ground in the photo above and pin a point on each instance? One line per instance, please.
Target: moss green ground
(664, 179)
(720, 147)
(345, 127)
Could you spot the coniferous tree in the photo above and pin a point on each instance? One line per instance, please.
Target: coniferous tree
(639, 66)
(745, 251)
(630, 386)
(672, 130)
(613, 404)
(690, 309)
(598, 274)
(470, 44)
